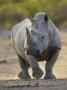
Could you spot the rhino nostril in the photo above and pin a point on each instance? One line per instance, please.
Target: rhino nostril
(38, 51)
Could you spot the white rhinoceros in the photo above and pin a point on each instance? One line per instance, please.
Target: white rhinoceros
(36, 40)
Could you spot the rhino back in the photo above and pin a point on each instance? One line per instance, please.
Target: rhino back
(18, 36)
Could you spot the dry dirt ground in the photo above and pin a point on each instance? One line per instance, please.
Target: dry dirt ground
(9, 66)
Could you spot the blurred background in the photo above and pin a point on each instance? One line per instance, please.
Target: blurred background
(14, 11)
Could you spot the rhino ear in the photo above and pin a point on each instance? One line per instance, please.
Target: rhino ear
(28, 34)
(46, 17)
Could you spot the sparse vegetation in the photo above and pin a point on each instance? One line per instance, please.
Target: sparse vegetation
(13, 11)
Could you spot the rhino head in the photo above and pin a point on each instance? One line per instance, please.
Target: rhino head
(36, 41)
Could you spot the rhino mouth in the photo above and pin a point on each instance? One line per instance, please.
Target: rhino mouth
(33, 52)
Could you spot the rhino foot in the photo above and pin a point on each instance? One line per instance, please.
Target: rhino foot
(37, 73)
(22, 76)
(49, 77)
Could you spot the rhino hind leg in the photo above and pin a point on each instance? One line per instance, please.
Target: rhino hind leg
(51, 59)
(24, 68)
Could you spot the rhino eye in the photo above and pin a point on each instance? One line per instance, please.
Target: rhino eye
(42, 37)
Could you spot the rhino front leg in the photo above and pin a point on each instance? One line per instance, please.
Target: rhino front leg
(37, 72)
(50, 63)
(24, 68)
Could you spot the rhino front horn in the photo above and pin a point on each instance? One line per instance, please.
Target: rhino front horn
(28, 34)
(32, 20)
(46, 17)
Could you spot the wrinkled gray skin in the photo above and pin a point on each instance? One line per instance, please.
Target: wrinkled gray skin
(36, 39)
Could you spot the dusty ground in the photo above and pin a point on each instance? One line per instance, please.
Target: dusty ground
(34, 85)
(9, 66)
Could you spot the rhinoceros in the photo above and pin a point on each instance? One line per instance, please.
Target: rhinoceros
(36, 39)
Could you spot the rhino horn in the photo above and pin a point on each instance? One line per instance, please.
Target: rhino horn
(28, 35)
(32, 20)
